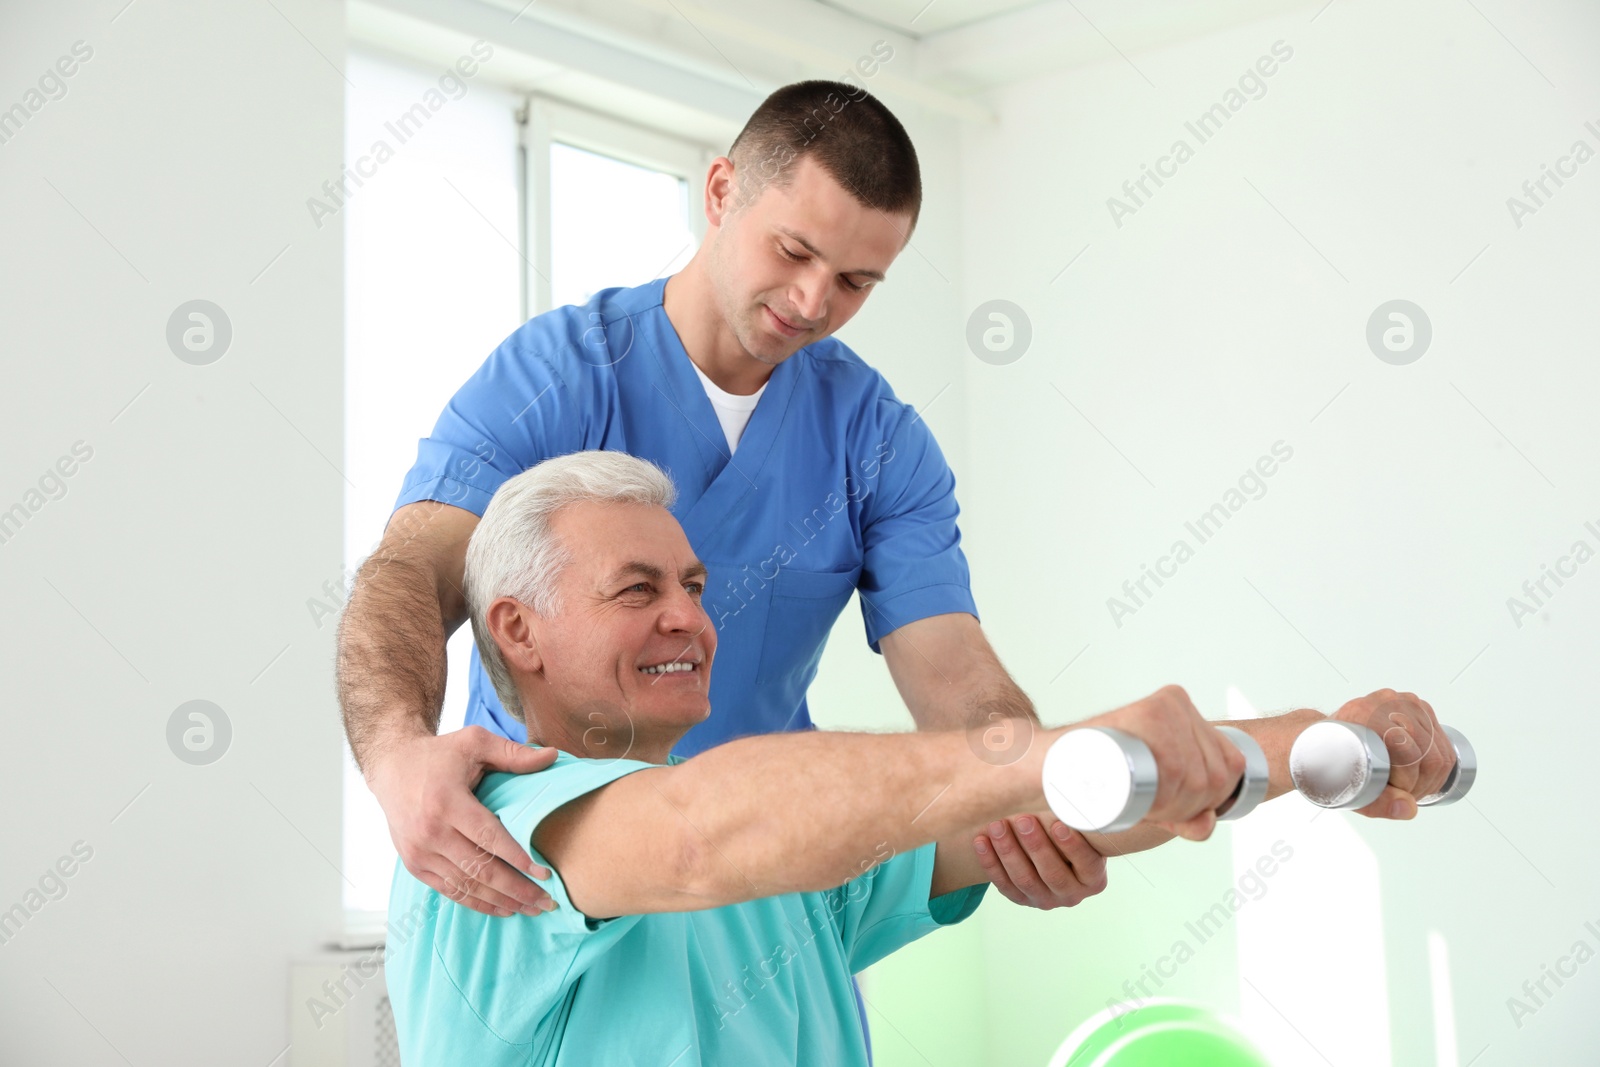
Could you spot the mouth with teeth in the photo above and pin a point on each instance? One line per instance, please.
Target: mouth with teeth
(675, 667)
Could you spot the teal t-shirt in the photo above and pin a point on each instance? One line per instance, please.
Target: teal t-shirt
(762, 982)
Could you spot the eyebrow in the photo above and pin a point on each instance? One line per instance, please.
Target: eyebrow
(654, 573)
(876, 275)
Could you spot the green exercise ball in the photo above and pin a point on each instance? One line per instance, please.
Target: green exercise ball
(1158, 1034)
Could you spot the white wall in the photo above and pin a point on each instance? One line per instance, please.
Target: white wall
(1418, 498)
(177, 564)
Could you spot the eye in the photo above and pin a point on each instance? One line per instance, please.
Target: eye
(642, 586)
(792, 257)
(695, 588)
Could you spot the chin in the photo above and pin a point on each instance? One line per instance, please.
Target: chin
(774, 352)
(696, 716)
(688, 712)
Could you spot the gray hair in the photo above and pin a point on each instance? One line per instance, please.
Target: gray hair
(513, 551)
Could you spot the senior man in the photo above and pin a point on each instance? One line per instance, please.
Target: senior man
(711, 910)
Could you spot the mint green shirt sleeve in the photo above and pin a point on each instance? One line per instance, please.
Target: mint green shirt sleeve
(512, 971)
(888, 907)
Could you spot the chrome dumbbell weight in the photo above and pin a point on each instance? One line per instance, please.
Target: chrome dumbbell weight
(1104, 780)
(1340, 764)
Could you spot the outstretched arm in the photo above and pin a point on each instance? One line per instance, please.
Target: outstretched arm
(774, 814)
(809, 811)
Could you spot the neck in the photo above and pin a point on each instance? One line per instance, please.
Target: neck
(585, 741)
(691, 307)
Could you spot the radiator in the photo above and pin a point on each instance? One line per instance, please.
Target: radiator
(339, 1014)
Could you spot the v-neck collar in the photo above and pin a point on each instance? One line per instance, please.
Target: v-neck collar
(730, 478)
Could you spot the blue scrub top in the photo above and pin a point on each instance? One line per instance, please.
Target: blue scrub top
(836, 486)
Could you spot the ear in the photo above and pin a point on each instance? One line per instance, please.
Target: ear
(511, 627)
(722, 191)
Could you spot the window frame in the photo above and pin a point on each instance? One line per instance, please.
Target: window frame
(543, 121)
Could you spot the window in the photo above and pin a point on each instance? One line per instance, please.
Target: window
(618, 224)
(622, 204)
(496, 204)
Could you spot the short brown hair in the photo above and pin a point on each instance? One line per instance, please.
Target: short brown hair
(846, 130)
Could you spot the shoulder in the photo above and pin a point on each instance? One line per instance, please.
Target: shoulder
(580, 341)
(848, 381)
(838, 365)
(516, 796)
(878, 425)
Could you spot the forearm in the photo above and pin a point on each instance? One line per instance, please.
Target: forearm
(809, 811)
(951, 679)
(1275, 734)
(991, 705)
(973, 692)
(391, 656)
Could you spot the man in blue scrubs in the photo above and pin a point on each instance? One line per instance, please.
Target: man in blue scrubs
(831, 486)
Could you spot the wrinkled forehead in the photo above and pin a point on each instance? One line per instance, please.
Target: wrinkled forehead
(629, 571)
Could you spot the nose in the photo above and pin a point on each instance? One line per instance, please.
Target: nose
(682, 614)
(810, 299)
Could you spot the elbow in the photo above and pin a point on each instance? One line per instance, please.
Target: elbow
(712, 877)
(699, 873)
(690, 865)
(690, 870)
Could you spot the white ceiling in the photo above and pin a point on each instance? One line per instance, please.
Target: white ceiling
(954, 47)
(918, 18)
(700, 66)
(1013, 42)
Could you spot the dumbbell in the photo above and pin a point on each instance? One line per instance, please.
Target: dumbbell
(1340, 764)
(1104, 780)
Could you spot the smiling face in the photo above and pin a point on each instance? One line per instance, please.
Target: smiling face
(624, 668)
(796, 263)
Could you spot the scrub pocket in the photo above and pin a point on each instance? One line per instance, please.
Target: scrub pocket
(804, 606)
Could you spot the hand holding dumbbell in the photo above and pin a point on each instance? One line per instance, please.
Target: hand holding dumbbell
(1102, 778)
(1345, 762)
(1155, 759)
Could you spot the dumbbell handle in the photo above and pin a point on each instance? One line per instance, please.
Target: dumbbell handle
(1340, 764)
(1251, 789)
(1104, 780)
